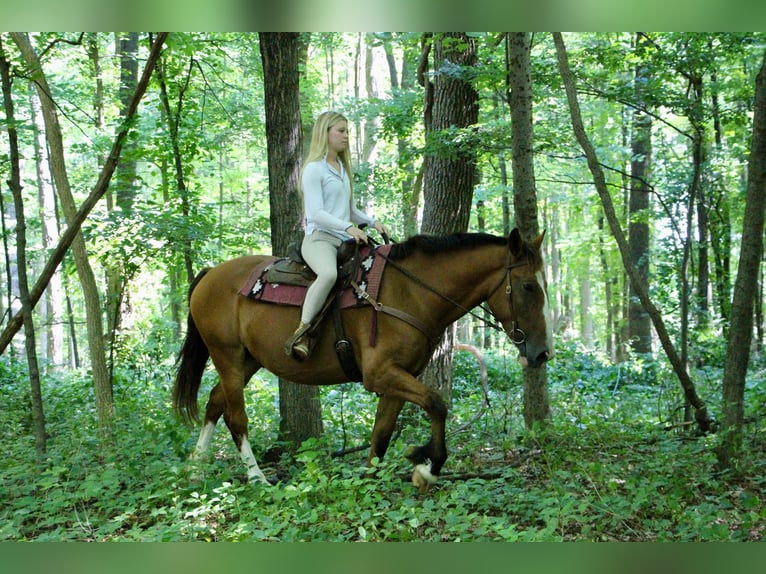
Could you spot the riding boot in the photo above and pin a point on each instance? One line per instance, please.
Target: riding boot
(298, 346)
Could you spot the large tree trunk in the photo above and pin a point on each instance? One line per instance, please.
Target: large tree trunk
(448, 179)
(599, 180)
(299, 407)
(745, 287)
(519, 70)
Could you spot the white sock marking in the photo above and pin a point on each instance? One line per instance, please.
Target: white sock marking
(253, 471)
(203, 443)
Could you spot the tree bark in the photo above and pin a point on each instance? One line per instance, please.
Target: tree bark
(520, 97)
(124, 183)
(299, 406)
(639, 324)
(52, 315)
(745, 287)
(701, 414)
(449, 178)
(174, 122)
(73, 228)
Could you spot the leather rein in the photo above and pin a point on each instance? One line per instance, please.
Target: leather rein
(517, 336)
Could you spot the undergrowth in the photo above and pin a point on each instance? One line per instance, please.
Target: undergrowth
(611, 466)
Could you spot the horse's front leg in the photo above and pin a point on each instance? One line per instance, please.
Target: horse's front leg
(397, 386)
(385, 422)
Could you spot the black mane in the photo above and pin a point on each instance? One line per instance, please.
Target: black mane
(437, 244)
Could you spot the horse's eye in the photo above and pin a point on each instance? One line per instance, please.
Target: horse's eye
(528, 287)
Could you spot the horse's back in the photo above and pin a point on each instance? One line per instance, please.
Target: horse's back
(214, 302)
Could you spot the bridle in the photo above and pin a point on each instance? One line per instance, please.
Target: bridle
(517, 335)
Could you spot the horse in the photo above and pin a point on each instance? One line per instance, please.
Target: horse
(429, 282)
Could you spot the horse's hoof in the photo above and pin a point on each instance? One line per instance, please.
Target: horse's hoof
(422, 478)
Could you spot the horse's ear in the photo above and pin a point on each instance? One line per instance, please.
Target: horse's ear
(538, 242)
(516, 243)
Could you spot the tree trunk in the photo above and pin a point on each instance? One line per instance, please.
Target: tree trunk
(448, 179)
(741, 330)
(54, 296)
(411, 184)
(520, 97)
(101, 382)
(14, 184)
(599, 180)
(640, 325)
(299, 406)
(124, 183)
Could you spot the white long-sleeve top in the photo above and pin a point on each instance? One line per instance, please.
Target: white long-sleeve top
(327, 201)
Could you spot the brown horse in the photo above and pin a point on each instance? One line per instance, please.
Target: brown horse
(429, 282)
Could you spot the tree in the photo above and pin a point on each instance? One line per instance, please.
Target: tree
(640, 325)
(450, 173)
(124, 184)
(101, 381)
(173, 117)
(38, 414)
(99, 189)
(746, 285)
(299, 406)
(701, 415)
(519, 81)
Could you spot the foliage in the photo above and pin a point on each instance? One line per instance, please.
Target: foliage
(604, 470)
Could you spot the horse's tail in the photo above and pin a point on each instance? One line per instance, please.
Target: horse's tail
(191, 364)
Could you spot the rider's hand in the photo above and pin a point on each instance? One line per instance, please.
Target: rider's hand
(358, 234)
(380, 228)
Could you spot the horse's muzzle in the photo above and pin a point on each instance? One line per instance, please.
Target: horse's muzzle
(537, 360)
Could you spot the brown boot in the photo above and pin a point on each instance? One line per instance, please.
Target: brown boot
(298, 346)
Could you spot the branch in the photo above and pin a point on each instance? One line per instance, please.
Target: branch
(98, 191)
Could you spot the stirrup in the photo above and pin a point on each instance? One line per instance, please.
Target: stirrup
(298, 345)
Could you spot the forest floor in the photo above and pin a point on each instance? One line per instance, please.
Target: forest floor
(600, 472)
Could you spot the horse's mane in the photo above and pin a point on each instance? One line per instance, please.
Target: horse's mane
(438, 244)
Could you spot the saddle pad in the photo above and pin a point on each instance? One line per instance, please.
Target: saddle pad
(368, 278)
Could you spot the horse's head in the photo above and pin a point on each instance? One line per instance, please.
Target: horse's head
(520, 302)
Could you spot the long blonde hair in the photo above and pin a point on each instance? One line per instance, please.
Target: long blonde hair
(318, 147)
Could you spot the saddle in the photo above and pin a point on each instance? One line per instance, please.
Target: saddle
(294, 270)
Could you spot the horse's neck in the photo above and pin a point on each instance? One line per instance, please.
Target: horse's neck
(463, 277)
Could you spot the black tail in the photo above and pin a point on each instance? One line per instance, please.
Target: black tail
(191, 364)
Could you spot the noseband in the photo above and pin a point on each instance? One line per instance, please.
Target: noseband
(518, 336)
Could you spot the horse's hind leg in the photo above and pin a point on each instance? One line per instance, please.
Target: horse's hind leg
(213, 412)
(228, 399)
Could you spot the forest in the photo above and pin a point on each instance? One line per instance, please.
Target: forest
(131, 161)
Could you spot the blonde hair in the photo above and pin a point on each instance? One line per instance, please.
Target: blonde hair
(318, 147)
